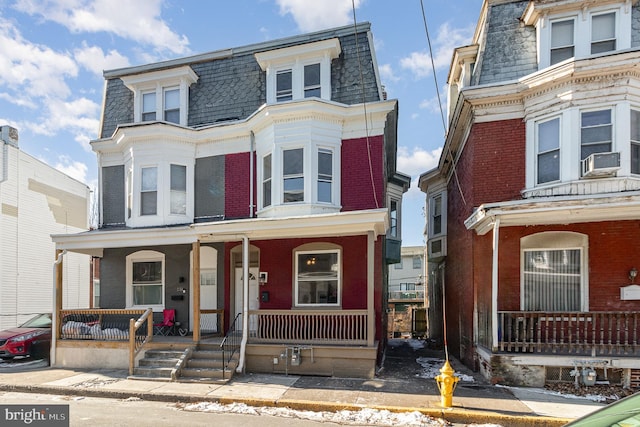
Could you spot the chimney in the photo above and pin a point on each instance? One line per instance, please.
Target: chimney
(9, 135)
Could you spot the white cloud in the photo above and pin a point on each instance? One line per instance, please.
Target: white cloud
(419, 63)
(139, 21)
(317, 15)
(387, 74)
(95, 60)
(74, 169)
(416, 161)
(29, 71)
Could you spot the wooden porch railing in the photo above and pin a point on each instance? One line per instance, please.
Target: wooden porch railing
(212, 322)
(308, 327)
(137, 341)
(96, 324)
(583, 333)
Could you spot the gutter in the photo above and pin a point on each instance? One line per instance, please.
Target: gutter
(245, 304)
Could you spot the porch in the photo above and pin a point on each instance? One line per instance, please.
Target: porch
(591, 333)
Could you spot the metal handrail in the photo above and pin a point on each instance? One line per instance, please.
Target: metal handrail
(231, 340)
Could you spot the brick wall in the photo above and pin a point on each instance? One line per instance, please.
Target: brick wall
(358, 191)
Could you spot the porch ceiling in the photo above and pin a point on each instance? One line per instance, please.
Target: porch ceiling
(556, 210)
(335, 224)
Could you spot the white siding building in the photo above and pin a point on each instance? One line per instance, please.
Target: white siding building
(37, 201)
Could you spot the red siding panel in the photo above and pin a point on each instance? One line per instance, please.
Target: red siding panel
(359, 190)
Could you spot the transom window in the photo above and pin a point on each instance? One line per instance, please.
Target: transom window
(149, 191)
(595, 132)
(317, 278)
(145, 280)
(548, 155)
(562, 45)
(293, 175)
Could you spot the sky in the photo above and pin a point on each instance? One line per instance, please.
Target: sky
(53, 54)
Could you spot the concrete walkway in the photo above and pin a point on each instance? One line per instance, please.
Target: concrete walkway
(474, 402)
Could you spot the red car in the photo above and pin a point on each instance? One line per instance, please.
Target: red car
(32, 338)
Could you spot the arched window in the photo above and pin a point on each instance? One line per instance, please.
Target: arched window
(554, 272)
(145, 280)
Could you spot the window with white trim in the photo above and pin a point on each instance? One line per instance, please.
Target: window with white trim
(393, 219)
(284, 86)
(603, 32)
(171, 105)
(635, 141)
(266, 180)
(548, 150)
(325, 175)
(562, 40)
(437, 215)
(553, 272)
(145, 280)
(595, 132)
(293, 175)
(318, 278)
(148, 106)
(312, 80)
(178, 202)
(417, 262)
(149, 191)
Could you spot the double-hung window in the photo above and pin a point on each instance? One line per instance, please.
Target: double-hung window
(145, 279)
(548, 150)
(325, 175)
(148, 106)
(293, 175)
(595, 132)
(284, 86)
(393, 218)
(317, 280)
(172, 105)
(266, 181)
(312, 80)
(635, 141)
(436, 216)
(562, 40)
(603, 33)
(149, 191)
(417, 262)
(178, 189)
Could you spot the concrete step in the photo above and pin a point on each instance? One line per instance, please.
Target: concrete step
(152, 372)
(163, 354)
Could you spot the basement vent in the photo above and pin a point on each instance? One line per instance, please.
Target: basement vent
(562, 374)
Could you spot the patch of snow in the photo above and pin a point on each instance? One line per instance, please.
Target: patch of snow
(364, 416)
(431, 369)
(590, 397)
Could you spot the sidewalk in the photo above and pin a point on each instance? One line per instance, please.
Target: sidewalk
(396, 388)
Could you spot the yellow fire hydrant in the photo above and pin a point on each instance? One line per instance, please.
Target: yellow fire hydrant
(446, 384)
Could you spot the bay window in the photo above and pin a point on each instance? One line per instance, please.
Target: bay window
(293, 175)
(284, 86)
(635, 141)
(595, 132)
(149, 191)
(548, 150)
(266, 181)
(562, 40)
(148, 106)
(172, 105)
(603, 32)
(178, 202)
(312, 80)
(325, 175)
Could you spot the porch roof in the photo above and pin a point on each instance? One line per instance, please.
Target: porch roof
(334, 224)
(556, 210)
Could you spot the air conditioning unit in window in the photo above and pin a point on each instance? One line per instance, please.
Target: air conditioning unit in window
(600, 164)
(437, 248)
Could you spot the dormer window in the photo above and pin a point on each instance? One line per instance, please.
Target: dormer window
(161, 95)
(576, 30)
(299, 72)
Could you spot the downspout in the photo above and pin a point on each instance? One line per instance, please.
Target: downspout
(245, 303)
(494, 285)
(54, 315)
(251, 151)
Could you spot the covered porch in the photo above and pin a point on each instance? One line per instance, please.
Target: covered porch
(263, 335)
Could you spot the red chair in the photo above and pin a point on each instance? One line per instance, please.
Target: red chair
(168, 324)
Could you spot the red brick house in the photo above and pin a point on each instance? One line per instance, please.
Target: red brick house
(533, 226)
(246, 190)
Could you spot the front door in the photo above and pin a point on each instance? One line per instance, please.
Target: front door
(209, 322)
(254, 303)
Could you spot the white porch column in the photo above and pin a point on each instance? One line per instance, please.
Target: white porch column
(195, 274)
(494, 285)
(245, 303)
(371, 313)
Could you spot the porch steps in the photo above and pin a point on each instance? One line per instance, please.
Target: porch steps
(206, 365)
(202, 364)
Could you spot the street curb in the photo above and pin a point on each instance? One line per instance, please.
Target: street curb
(453, 415)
